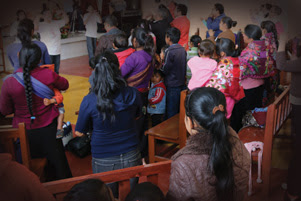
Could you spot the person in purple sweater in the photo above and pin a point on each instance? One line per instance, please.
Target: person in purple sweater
(137, 71)
(112, 108)
(25, 32)
(21, 96)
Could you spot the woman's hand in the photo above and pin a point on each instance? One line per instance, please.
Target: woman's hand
(79, 134)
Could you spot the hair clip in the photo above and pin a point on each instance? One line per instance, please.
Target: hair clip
(216, 108)
(104, 58)
(32, 117)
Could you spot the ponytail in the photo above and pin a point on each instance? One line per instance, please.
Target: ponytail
(144, 40)
(271, 28)
(106, 82)
(229, 22)
(29, 57)
(206, 106)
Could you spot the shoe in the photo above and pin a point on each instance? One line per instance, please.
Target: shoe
(287, 198)
(59, 133)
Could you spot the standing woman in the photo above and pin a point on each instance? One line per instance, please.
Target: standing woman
(137, 71)
(214, 164)
(21, 96)
(252, 61)
(225, 26)
(111, 107)
(270, 37)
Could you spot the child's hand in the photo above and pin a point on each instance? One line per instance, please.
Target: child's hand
(211, 32)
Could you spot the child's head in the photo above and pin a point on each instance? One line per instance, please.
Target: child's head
(172, 36)
(145, 192)
(206, 48)
(90, 190)
(226, 47)
(195, 41)
(162, 53)
(120, 41)
(158, 76)
(20, 14)
(269, 27)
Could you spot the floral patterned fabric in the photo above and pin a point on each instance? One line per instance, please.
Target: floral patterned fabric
(254, 59)
(226, 78)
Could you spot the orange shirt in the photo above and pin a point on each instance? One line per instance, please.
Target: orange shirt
(183, 24)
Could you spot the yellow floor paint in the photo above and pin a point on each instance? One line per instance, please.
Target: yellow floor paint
(78, 88)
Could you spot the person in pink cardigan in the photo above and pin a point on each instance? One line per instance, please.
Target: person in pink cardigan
(202, 67)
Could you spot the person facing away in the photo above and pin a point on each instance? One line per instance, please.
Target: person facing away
(182, 23)
(157, 98)
(91, 18)
(213, 20)
(225, 26)
(21, 15)
(214, 165)
(195, 41)
(121, 49)
(252, 61)
(112, 108)
(203, 66)
(174, 69)
(90, 190)
(25, 32)
(50, 34)
(22, 93)
(145, 191)
(226, 77)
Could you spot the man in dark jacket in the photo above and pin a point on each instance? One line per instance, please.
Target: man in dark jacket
(175, 71)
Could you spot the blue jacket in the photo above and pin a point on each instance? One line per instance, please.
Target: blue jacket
(174, 66)
(214, 25)
(111, 138)
(157, 108)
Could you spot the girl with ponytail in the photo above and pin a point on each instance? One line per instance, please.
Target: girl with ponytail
(137, 71)
(24, 37)
(214, 164)
(20, 95)
(111, 107)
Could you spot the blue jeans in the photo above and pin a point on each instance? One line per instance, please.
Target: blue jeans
(173, 95)
(129, 159)
(91, 45)
(56, 60)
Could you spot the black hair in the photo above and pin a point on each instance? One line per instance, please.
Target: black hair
(93, 60)
(207, 47)
(145, 25)
(182, 8)
(120, 41)
(199, 105)
(29, 58)
(111, 20)
(253, 31)
(145, 191)
(226, 45)
(229, 22)
(163, 11)
(164, 48)
(195, 40)
(106, 82)
(19, 12)
(159, 72)
(25, 29)
(271, 28)
(89, 190)
(174, 34)
(144, 40)
(219, 7)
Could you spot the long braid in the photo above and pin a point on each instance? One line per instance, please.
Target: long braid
(28, 90)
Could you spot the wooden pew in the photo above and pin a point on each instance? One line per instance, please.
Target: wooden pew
(278, 112)
(60, 188)
(171, 130)
(7, 138)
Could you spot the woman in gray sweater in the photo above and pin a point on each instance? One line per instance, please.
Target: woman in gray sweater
(293, 65)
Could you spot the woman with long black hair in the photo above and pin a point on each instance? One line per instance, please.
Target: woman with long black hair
(22, 93)
(214, 164)
(111, 107)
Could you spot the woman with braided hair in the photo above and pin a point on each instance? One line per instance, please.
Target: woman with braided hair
(22, 93)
